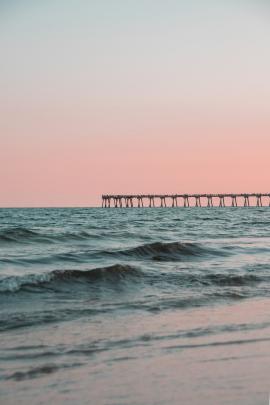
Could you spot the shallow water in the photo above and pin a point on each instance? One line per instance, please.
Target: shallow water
(135, 306)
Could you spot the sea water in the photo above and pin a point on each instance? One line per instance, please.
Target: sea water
(135, 306)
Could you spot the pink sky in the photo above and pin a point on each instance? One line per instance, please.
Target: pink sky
(154, 98)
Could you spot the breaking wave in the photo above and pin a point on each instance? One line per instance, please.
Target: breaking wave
(111, 274)
(123, 272)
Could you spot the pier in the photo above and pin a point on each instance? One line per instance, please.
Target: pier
(186, 200)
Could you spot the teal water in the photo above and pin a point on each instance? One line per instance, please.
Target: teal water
(135, 306)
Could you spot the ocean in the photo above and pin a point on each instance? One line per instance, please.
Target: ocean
(140, 306)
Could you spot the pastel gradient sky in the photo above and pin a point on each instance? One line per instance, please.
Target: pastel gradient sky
(132, 96)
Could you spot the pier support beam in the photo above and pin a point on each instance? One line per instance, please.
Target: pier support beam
(221, 200)
(129, 202)
(163, 202)
(186, 201)
(246, 200)
(151, 202)
(140, 202)
(174, 201)
(210, 201)
(234, 200)
(259, 200)
(198, 201)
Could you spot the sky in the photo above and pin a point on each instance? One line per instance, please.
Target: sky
(132, 96)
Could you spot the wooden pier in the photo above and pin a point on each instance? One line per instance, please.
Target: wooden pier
(186, 200)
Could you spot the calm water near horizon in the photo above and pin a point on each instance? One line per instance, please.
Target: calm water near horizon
(135, 306)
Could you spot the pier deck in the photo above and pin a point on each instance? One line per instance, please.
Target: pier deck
(186, 200)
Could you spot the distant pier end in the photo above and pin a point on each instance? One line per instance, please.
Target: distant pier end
(186, 200)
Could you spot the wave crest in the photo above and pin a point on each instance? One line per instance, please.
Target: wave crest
(112, 274)
(171, 251)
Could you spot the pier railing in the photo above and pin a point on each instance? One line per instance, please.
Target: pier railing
(186, 200)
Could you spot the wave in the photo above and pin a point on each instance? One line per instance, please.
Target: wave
(170, 251)
(225, 280)
(17, 234)
(219, 343)
(39, 371)
(123, 272)
(25, 235)
(24, 319)
(157, 251)
(110, 274)
(189, 279)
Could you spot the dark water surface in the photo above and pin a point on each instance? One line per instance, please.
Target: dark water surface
(135, 306)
